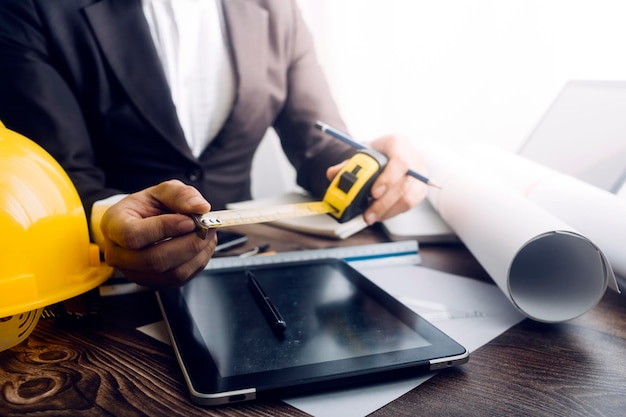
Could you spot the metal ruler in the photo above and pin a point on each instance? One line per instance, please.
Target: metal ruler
(363, 256)
(378, 254)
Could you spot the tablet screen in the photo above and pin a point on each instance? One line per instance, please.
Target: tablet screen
(328, 318)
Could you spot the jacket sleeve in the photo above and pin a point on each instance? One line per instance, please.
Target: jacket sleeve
(308, 100)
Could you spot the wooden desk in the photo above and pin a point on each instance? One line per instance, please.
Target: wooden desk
(108, 368)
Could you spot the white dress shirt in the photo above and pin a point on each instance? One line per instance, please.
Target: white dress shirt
(189, 37)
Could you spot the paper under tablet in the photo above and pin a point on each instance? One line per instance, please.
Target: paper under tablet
(342, 330)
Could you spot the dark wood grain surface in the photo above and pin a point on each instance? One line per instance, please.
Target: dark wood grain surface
(108, 368)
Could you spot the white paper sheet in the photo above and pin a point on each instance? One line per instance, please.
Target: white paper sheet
(548, 269)
(470, 311)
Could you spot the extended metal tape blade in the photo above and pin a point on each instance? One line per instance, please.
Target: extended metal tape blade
(236, 217)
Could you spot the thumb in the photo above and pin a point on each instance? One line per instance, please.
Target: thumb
(178, 197)
(332, 171)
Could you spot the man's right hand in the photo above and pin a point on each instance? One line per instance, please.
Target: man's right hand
(150, 237)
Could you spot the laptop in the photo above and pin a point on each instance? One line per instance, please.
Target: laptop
(583, 134)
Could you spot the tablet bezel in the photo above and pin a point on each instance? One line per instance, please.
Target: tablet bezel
(208, 387)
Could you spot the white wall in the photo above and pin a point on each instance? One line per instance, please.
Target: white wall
(272, 174)
(457, 70)
(453, 70)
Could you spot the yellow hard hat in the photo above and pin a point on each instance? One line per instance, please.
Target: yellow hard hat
(46, 255)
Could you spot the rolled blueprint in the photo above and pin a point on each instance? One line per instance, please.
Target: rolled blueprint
(598, 214)
(548, 269)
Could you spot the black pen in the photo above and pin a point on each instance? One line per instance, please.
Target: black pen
(337, 134)
(270, 311)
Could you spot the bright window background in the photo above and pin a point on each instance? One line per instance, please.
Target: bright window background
(461, 70)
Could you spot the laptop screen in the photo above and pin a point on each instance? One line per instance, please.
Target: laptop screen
(583, 134)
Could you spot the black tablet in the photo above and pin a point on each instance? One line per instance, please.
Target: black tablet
(278, 330)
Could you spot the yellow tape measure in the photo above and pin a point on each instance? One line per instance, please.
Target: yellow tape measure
(347, 196)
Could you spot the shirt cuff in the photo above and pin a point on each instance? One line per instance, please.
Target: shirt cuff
(97, 211)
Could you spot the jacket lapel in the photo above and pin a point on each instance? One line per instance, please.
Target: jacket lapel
(126, 42)
(247, 27)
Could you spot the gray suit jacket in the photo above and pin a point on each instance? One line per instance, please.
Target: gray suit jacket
(83, 79)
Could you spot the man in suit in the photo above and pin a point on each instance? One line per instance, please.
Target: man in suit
(108, 87)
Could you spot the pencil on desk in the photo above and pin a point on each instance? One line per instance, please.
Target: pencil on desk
(337, 134)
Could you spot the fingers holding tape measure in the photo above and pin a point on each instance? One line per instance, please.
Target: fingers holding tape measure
(396, 190)
(396, 199)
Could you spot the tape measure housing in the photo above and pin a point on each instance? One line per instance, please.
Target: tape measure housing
(349, 192)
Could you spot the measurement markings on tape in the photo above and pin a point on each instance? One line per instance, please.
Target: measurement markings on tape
(237, 217)
(405, 252)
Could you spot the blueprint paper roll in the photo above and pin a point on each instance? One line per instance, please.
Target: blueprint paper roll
(548, 270)
(598, 214)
